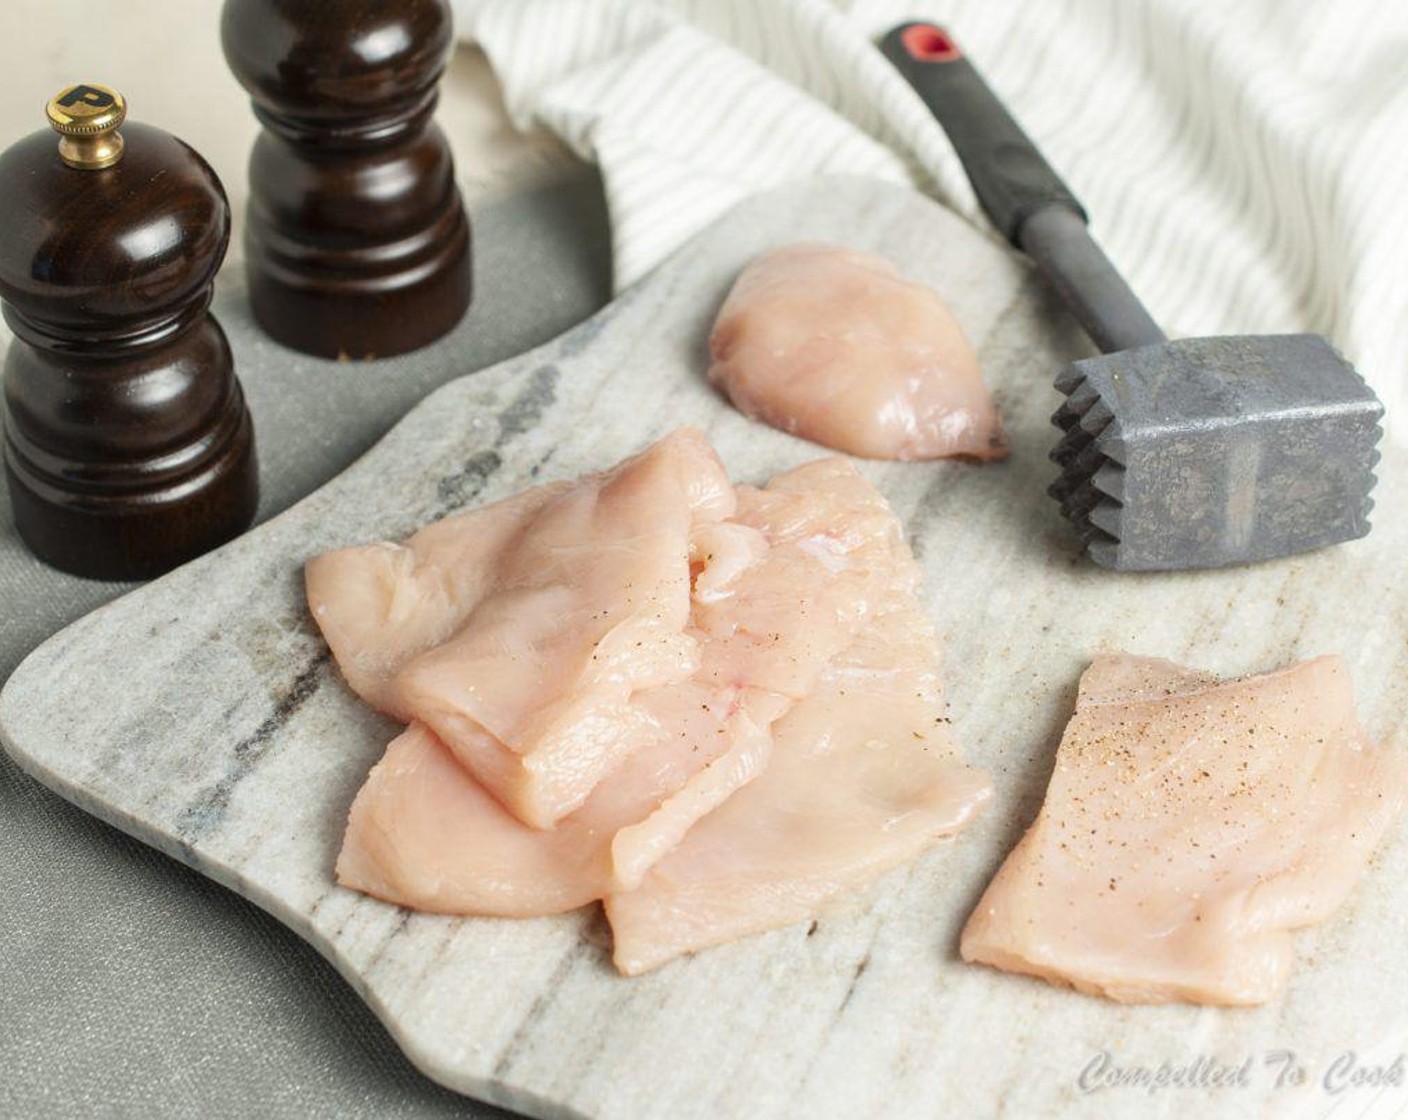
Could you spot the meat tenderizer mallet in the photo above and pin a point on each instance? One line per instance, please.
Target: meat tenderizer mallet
(1191, 453)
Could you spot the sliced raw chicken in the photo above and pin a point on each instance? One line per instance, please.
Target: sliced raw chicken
(1188, 826)
(521, 632)
(864, 775)
(837, 347)
(778, 593)
(832, 544)
(382, 604)
(424, 833)
(824, 546)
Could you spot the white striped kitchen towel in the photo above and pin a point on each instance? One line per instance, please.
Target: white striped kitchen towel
(1245, 164)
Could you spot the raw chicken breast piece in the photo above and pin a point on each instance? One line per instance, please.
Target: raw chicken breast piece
(382, 604)
(823, 546)
(836, 346)
(864, 775)
(832, 547)
(520, 632)
(810, 555)
(424, 833)
(1190, 824)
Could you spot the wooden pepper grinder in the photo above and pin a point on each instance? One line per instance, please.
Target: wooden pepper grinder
(357, 243)
(128, 446)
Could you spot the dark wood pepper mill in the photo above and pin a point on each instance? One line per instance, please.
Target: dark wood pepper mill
(357, 243)
(128, 446)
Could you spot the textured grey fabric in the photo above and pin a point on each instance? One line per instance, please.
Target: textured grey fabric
(130, 986)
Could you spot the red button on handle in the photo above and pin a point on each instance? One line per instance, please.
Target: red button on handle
(927, 43)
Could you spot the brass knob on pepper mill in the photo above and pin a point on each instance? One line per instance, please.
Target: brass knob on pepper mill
(87, 118)
(128, 447)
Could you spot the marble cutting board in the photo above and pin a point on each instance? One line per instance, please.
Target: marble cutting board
(202, 715)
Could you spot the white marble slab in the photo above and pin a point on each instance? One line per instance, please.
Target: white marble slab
(202, 715)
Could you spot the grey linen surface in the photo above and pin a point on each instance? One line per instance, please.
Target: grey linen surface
(131, 986)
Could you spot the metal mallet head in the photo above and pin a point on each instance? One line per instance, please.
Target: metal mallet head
(1205, 452)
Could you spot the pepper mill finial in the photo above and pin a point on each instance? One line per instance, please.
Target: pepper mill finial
(87, 118)
(128, 448)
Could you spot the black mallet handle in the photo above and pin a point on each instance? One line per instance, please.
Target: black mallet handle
(1023, 196)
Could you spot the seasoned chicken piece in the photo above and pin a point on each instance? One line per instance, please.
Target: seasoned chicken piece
(837, 347)
(521, 632)
(864, 774)
(825, 546)
(1190, 824)
(778, 592)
